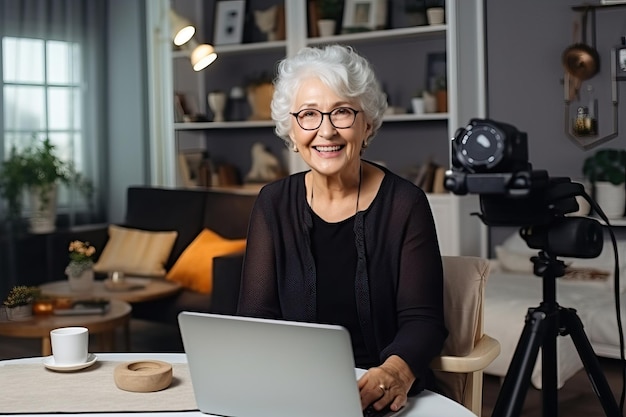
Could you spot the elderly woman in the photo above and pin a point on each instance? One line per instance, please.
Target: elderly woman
(347, 242)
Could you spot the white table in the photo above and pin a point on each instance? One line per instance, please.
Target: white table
(426, 404)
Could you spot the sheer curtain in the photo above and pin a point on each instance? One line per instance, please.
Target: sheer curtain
(53, 86)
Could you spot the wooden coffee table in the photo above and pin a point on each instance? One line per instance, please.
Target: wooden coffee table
(104, 325)
(139, 290)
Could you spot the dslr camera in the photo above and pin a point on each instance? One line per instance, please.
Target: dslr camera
(490, 158)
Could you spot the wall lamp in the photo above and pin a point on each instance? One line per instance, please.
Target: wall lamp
(202, 55)
(182, 31)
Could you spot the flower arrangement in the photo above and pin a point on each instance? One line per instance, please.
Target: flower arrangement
(81, 257)
(21, 295)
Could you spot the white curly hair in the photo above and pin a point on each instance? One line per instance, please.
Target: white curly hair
(339, 67)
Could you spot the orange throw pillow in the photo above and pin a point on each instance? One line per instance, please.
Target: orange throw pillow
(194, 268)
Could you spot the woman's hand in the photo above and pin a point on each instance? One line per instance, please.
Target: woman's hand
(387, 384)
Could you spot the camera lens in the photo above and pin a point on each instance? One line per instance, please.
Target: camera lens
(481, 147)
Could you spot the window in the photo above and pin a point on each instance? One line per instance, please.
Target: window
(42, 97)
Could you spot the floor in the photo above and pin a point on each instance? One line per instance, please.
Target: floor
(575, 399)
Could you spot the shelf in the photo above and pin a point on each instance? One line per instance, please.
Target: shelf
(223, 125)
(408, 117)
(424, 32)
(239, 48)
(411, 117)
(585, 7)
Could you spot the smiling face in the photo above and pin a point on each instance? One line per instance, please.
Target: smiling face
(328, 150)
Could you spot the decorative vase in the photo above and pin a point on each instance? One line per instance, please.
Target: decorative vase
(260, 99)
(430, 102)
(19, 313)
(80, 276)
(611, 198)
(43, 203)
(217, 104)
(442, 101)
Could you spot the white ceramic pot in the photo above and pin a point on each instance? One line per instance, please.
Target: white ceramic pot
(326, 27)
(82, 282)
(435, 15)
(43, 211)
(611, 199)
(417, 104)
(20, 313)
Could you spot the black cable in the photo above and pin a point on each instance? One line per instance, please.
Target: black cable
(616, 292)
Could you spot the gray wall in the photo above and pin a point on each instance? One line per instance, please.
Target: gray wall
(525, 41)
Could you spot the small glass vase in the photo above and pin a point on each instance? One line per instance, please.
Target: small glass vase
(80, 276)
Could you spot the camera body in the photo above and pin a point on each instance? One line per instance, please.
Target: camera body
(490, 158)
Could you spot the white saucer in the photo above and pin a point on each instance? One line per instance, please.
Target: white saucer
(48, 362)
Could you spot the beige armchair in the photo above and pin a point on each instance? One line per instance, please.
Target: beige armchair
(467, 350)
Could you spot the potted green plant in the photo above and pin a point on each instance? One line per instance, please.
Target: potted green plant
(417, 102)
(606, 172)
(38, 170)
(329, 12)
(19, 302)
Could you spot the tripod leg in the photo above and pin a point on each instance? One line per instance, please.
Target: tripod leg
(589, 359)
(517, 379)
(549, 359)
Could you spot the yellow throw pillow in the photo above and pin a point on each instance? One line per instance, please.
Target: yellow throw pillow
(194, 267)
(136, 252)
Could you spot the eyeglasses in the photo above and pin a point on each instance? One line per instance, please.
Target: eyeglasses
(340, 118)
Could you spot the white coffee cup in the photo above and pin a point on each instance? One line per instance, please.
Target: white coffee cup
(435, 15)
(70, 345)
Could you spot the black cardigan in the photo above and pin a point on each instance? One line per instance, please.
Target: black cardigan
(399, 281)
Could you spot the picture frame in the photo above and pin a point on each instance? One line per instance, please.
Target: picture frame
(620, 63)
(436, 70)
(364, 15)
(229, 18)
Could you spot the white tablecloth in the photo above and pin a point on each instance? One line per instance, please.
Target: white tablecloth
(426, 404)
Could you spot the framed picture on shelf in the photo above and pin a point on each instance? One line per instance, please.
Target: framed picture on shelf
(364, 15)
(229, 20)
(435, 71)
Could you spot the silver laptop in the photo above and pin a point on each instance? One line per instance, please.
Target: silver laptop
(248, 367)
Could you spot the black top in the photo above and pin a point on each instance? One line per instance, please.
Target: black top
(335, 262)
(399, 276)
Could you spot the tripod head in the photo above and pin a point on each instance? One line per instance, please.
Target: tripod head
(491, 159)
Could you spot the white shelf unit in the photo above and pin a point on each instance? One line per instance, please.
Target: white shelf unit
(459, 232)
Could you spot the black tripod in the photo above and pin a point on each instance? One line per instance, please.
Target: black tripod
(543, 325)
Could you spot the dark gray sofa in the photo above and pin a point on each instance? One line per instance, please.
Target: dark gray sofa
(187, 211)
